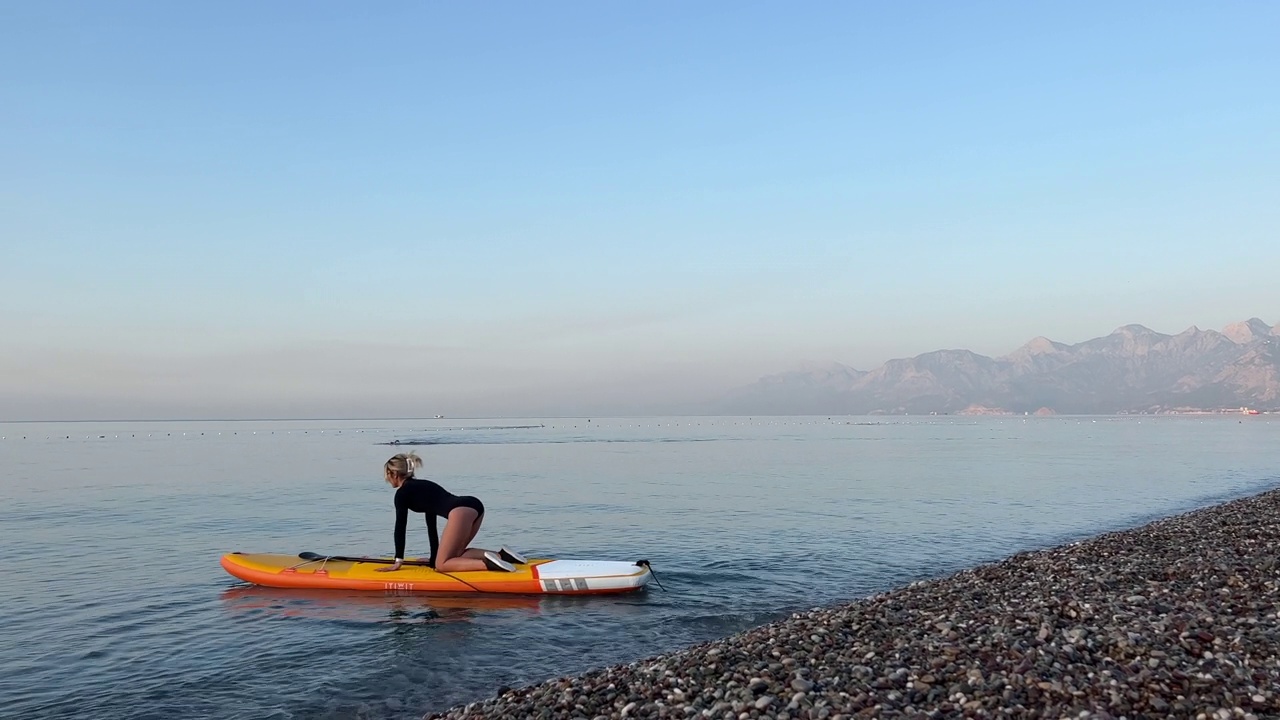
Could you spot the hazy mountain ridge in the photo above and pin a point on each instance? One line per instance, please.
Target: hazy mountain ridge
(1133, 369)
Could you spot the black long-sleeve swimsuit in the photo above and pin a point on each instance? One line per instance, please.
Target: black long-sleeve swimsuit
(428, 497)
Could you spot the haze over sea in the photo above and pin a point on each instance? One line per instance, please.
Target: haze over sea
(116, 607)
(262, 210)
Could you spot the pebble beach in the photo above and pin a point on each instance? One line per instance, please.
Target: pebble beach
(1173, 619)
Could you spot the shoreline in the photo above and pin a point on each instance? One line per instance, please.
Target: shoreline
(1173, 618)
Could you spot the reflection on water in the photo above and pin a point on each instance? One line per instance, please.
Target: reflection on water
(367, 607)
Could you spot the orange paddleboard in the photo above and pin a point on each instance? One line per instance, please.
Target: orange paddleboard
(540, 576)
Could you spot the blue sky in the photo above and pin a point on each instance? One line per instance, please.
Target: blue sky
(247, 209)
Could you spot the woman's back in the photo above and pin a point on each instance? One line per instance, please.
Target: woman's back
(425, 496)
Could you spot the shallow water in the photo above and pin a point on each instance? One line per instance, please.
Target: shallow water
(115, 605)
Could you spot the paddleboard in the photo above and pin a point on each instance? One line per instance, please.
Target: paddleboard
(542, 576)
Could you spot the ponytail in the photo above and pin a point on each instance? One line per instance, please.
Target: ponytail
(400, 467)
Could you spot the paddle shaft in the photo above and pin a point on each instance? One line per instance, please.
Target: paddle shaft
(385, 561)
(316, 556)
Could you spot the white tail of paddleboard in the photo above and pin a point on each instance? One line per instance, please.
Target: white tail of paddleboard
(570, 575)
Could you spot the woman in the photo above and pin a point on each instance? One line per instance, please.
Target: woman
(464, 514)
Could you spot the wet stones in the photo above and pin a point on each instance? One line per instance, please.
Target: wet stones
(1177, 618)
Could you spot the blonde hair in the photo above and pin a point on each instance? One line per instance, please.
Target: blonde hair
(400, 468)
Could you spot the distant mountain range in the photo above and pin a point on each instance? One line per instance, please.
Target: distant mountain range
(1132, 370)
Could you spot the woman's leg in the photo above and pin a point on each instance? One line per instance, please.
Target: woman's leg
(471, 552)
(453, 555)
(505, 553)
(475, 529)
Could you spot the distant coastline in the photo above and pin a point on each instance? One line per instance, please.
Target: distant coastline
(1132, 371)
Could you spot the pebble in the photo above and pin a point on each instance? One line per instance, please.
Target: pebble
(1176, 618)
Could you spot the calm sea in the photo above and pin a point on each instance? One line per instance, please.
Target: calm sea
(115, 606)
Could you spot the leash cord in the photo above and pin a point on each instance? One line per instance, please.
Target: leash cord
(645, 564)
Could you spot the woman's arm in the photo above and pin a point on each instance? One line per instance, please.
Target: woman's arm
(402, 522)
(434, 536)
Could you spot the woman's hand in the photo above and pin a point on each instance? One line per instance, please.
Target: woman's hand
(389, 568)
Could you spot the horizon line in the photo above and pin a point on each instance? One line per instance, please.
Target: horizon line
(1217, 411)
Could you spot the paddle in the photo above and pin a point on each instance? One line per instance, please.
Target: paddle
(385, 561)
(310, 556)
